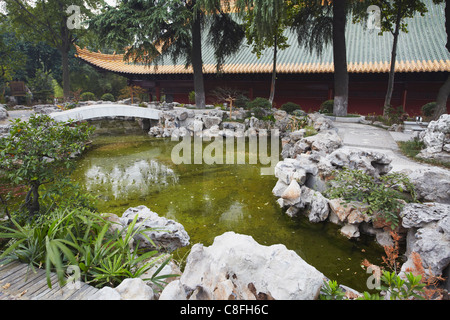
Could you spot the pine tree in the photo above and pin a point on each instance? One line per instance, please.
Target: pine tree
(318, 23)
(153, 30)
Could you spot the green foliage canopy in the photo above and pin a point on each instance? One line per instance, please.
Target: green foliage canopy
(39, 151)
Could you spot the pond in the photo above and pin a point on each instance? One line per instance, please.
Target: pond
(129, 168)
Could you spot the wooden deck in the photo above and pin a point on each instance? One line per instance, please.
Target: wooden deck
(17, 282)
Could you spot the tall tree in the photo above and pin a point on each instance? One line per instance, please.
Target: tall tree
(50, 21)
(153, 30)
(265, 23)
(11, 57)
(393, 14)
(317, 24)
(340, 58)
(444, 90)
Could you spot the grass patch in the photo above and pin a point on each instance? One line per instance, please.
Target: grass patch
(350, 115)
(413, 147)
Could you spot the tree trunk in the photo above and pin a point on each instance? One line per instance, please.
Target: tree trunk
(3, 201)
(444, 91)
(441, 100)
(65, 73)
(197, 63)
(32, 200)
(64, 48)
(274, 71)
(340, 59)
(390, 88)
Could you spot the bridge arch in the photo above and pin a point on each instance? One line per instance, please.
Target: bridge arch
(105, 110)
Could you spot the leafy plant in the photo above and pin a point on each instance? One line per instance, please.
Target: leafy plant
(259, 102)
(39, 151)
(428, 109)
(327, 106)
(108, 97)
(87, 96)
(258, 112)
(400, 289)
(331, 291)
(42, 85)
(191, 96)
(383, 195)
(290, 107)
(394, 115)
(396, 288)
(81, 238)
(297, 123)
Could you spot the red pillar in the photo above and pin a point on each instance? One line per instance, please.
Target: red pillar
(405, 91)
(158, 92)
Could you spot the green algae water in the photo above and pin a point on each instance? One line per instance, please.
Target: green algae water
(129, 170)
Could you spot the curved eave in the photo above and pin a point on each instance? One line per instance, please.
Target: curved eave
(115, 63)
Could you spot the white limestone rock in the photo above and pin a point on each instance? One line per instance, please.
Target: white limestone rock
(134, 289)
(235, 266)
(167, 234)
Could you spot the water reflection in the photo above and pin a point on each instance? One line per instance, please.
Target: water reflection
(122, 180)
(234, 214)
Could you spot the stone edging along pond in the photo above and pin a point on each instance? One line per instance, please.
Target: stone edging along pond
(308, 162)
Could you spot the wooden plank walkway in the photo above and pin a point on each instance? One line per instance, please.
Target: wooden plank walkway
(17, 282)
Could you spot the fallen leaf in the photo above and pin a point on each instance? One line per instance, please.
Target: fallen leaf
(22, 293)
(6, 286)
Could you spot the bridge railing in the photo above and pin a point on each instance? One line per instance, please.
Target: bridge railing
(105, 110)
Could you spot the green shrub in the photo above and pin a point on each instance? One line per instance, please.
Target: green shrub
(397, 287)
(191, 97)
(394, 115)
(81, 238)
(290, 107)
(108, 97)
(87, 96)
(42, 86)
(258, 112)
(382, 195)
(428, 109)
(25, 152)
(241, 101)
(327, 106)
(259, 102)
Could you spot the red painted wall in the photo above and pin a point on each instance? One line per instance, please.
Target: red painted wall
(366, 95)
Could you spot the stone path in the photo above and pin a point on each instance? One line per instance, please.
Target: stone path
(366, 137)
(14, 114)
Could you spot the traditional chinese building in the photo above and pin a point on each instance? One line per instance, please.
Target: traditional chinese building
(303, 77)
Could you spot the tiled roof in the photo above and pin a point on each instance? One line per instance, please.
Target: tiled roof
(422, 49)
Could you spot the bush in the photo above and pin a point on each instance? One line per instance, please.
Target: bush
(258, 112)
(25, 153)
(83, 239)
(382, 195)
(108, 97)
(290, 107)
(241, 101)
(259, 102)
(191, 97)
(395, 115)
(428, 109)
(42, 86)
(327, 106)
(86, 96)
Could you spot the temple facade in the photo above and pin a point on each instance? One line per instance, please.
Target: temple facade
(305, 77)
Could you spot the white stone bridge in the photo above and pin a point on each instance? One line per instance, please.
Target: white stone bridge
(105, 110)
